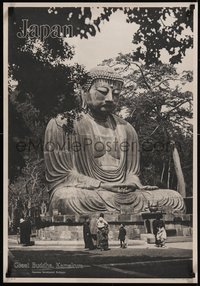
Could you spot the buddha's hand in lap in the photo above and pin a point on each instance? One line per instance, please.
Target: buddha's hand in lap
(119, 188)
(148, 188)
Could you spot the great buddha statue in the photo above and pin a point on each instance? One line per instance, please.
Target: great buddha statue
(96, 167)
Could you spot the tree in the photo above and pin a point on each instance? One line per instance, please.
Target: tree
(155, 102)
(156, 32)
(28, 191)
(168, 28)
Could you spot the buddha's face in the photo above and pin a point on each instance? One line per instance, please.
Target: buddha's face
(103, 96)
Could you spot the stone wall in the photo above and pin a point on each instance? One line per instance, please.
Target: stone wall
(64, 229)
(70, 232)
(181, 223)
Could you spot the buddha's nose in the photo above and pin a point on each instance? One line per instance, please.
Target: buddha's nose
(109, 97)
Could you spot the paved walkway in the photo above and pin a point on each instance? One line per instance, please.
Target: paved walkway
(141, 261)
(69, 259)
(72, 245)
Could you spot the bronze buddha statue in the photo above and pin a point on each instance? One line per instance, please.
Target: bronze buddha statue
(96, 168)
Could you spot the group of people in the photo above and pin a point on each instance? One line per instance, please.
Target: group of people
(95, 233)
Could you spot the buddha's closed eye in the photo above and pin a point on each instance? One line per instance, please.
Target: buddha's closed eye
(105, 90)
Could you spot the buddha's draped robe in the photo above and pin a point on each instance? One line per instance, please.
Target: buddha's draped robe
(95, 152)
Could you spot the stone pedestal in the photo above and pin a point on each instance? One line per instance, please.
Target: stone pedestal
(62, 227)
(175, 224)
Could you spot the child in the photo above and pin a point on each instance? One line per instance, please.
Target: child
(122, 236)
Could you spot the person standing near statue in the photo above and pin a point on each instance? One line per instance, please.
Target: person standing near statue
(122, 236)
(102, 233)
(87, 234)
(22, 232)
(159, 231)
(93, 230)
(25, 231)
(161, 236)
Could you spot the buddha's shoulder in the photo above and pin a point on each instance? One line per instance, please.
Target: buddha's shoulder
(67, 118)
(58, 120)
(121, 121)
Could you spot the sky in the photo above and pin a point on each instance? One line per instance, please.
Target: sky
(115, 37)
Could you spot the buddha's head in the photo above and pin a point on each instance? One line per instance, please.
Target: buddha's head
(102, 90)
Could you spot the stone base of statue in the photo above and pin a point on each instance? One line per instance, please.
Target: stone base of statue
(135, 210)
(139, 226)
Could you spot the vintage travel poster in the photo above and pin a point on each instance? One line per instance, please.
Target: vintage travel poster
(100, 142)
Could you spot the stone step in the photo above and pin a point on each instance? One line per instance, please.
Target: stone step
(78, 243)
(171, 239)
(81, 243)
(145, 239)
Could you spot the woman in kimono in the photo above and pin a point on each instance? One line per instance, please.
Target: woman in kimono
(102, 233)
(161, 237)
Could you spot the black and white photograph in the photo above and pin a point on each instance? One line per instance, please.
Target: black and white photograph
(100, 142)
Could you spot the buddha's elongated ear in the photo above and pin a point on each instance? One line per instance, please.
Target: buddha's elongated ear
(79, 94)
(83, 99)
